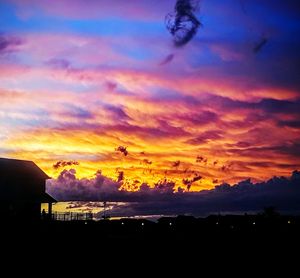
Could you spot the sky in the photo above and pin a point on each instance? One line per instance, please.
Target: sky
(97, 89)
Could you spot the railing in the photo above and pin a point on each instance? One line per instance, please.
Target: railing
(72, 216)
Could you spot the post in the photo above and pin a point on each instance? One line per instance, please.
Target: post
(50, 211)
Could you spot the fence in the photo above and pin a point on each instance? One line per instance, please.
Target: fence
(71, 216)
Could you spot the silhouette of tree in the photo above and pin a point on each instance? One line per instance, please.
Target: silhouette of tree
(270, 212)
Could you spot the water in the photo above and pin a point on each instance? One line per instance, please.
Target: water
(114, 210)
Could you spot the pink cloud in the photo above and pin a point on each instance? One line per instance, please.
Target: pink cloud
(80, 9)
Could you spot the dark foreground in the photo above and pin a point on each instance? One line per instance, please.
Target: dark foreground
(171, 243)
(213, 230)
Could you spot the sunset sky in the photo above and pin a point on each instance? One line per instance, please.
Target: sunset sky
(82, 80)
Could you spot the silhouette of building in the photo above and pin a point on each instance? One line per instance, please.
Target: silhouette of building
(22, 190)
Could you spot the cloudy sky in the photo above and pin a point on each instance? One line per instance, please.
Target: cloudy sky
(99, 85)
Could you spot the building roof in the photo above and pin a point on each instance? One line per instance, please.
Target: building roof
(22, 168)
(46, 198)
(22, 181)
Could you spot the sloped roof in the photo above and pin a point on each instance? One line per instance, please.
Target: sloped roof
(46, 198)
(20, 168)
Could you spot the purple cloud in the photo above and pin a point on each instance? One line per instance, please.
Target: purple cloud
(167, 60)
(58, 63)
(204, 137)
(9, 44)
(245, 196)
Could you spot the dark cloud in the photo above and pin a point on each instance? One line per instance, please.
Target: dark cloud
(9, 44)
(226, 167)
(63, 163)
(183, 24)
(117, 113)
(280, 192)
(278, 106)
(266, 105)
(200, 119)
(189, 182)
(164, 186)
(200, 159)
(176, 164)
(147, 161)
(290, 148)
(260, 44)
(122, 150)
(292, 123)
(215, 181)
(167, 60)
(205, 137)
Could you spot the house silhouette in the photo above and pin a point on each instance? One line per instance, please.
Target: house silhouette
(22, 190)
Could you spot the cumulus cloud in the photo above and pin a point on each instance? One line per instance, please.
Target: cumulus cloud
(283, 193)
(67, 187)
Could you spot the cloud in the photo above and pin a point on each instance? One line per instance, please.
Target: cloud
(146, 161)
(137, 9)
(122, 150)
(168, 59)
(290, 123)
(200, 159)
(68, 187)
(259, 45)
(175, 164)
(91, 85)
(183, 24)
(205, 137)
(63, 163)
(189, 182)
(291, 149)
(58, 63)
(120, 176)
(9, 44)
(199, 119)
(281, 192)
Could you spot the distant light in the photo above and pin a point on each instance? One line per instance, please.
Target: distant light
(289, 222)
(143, 224)
(85, 222)
(231, 227)
(217, 223)
(253, 223)
(170, 224)
(122, 223)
